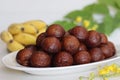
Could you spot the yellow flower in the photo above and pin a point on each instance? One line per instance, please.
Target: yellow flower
(105, 78)
(86, 23)
(103, 72)
(78, 19)
(118, 70)
(115, 68)
(94, 27)
(112, 68)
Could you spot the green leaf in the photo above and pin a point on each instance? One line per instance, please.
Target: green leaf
(84, 14)
(88, 11)
(107, 26)
(97, 8)
(89, 8)
(117, 19)
(101, 9)
(114, 3)
(92, 23)
(66, 24)
(117, 15)
(101, 28)
(107, 2)
(117, 4)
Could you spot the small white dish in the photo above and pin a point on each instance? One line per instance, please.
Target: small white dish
(10, 62)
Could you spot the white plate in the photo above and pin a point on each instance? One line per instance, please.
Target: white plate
(10, 62)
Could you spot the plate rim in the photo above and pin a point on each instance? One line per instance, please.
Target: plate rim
(23, 68)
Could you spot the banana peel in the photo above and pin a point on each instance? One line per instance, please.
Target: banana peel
(19, 35)
(39, 24)
(15, 28)
(30, 29)
(14, 46)
(25, 39)
(6, 36)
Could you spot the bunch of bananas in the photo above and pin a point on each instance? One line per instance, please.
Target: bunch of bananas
(20, 35)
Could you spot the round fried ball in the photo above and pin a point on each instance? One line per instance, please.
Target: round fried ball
(39, 39)
(107, 51)
(32, 48)
(104, 39)
(96, 54)
(23, 57)
(63, 59)
(93, 39)
(70, 44)
(82, 47)
(40, 59)
(111, 45)
(66, 34)
(80, 32)
(51, 45)
(55, 30)
(82, 57)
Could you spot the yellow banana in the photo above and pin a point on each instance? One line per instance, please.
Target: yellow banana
(15, 28)
(14, 46)
(6, 36)
(25, 38)
(41, 31)
(30, 29)
(39, 24)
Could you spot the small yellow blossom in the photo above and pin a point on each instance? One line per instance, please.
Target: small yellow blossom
(111, 69)
(78, 19)
(103, 72)
(86, 23)
(118, 71)
(94, 27)
(115, 69)
(105, 78)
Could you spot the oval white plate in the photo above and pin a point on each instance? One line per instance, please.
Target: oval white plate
(10, 62)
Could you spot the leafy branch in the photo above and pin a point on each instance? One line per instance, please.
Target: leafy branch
(109, 23)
